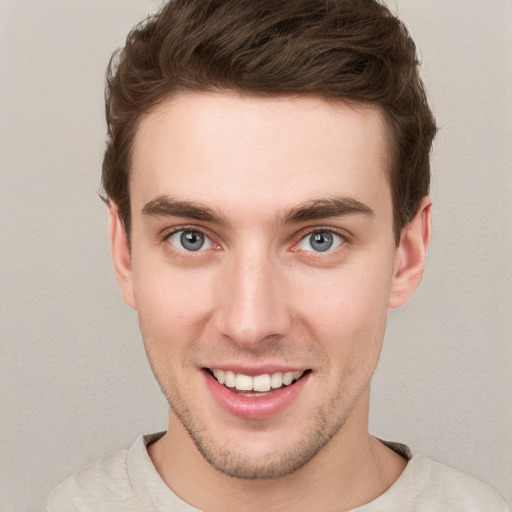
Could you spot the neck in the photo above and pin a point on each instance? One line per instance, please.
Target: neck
(352, 469)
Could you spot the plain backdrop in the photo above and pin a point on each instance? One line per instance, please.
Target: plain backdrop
(75, 383)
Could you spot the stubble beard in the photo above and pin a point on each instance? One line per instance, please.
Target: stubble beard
(278, 462)
(319, 428)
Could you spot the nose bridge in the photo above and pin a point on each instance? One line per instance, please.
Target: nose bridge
(253, 307)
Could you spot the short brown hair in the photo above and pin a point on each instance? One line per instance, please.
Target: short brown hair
(348, 50)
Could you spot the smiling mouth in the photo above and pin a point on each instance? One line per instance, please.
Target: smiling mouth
(258, 385)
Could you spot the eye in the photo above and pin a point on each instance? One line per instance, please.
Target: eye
(189, 240)
(320, 241)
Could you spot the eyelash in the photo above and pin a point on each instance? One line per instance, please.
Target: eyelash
(345, 239)
(194, 229)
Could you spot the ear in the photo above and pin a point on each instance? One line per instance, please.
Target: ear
(121, 255)
(410, 255)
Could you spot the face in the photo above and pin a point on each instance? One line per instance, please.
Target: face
(262, 266)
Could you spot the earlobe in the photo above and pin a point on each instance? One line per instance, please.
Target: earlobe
(121, 256)
(410, 255)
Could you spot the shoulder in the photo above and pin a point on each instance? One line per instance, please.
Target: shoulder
(102, 485)
(439, 487)
(426, 485)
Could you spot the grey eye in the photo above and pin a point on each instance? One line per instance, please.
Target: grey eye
(190, 241)
(320, 241)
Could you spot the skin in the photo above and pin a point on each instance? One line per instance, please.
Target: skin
(258, 294)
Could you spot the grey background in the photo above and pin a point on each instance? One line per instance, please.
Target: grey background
(74, 379)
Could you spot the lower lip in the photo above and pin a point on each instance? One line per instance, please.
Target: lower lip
(255, 407)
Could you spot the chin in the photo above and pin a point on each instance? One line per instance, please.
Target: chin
(262, 454)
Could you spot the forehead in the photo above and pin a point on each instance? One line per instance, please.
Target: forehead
(232, 151)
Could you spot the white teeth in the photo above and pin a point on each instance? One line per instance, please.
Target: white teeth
(276, 381)
(260, 383)
(220, 375)
(288, 378)
(243, 382)
(230, 379)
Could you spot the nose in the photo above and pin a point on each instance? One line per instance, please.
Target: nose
(253, 305)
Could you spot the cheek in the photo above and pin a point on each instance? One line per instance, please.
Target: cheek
(171, 304)
(348, 313)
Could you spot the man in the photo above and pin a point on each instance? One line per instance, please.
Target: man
(267, 176)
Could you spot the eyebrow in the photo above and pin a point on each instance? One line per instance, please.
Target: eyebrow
(166, 206)
(324, 208)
